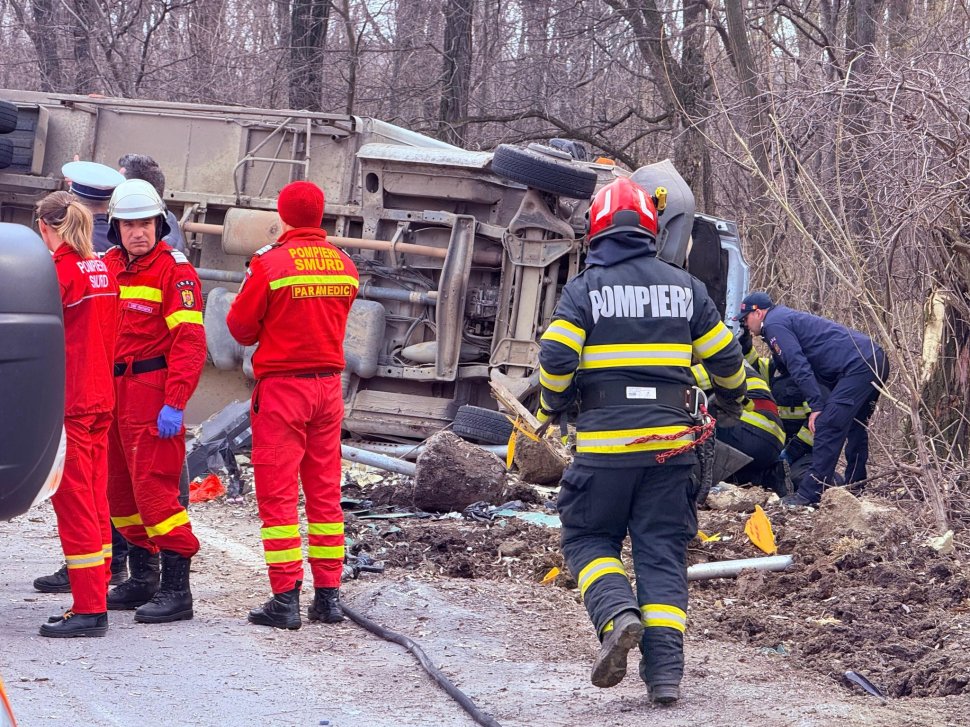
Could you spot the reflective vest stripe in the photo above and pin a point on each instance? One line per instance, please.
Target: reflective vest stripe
(555, 382)
(290, 555)
(168, 524)
(660, 614)
(280, 532)
(313, 280)
(124, 522)
(733, 381)
(759, 420)
(329, 552)
(713, 342)
(183, 316)
(635, 354)
(85, 560)
(618, 441)
(140, 292)
(565, 333)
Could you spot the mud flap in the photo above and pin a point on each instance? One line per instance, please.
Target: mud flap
(716, 461)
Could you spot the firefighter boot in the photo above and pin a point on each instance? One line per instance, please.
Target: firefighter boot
(141, 585)
(662, 693)
(119, 571)
(76, 624)
(54, 583)
(610, 666)
(173, 602)
(326, 606)
(281, 611)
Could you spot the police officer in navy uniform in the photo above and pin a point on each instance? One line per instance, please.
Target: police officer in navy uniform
(818, 354)
(621, 342)
(92, 184)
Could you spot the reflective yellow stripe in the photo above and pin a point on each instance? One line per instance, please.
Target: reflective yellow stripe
(183, 316)
(313, 280)
(733, 381)
(805, 434)
(608, 627)
(555, 382)
(755, 384)
(617, 441)
(700, 376)
(793, 412)
(86, 560)
(596, 569)
(326, 551)
(277, 532)
(168, 524)
(107, 550)
(660, 614)
(124, 522)
(284, 556)
(713, 341)
(326, 528)
(565, 333)
(759, 420)
(635, 354)
(141, 292)
(752, 357)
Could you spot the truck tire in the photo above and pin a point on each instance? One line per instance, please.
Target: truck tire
(6, 153)
(482, 425)
(538, 170)
(8, 117)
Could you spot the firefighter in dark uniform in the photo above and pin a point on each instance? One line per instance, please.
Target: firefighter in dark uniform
(759, 434)
(820, 353)
(622, 341)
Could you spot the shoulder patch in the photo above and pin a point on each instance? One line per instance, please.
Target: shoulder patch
(179, 257)
(265, 249)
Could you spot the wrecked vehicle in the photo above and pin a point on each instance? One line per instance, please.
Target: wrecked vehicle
(461, 254)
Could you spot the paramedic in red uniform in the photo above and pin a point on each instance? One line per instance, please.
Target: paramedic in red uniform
(294, 302)
(89, 295)
(157, 365)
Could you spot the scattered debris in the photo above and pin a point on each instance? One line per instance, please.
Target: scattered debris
(758, 529)
(841, 514)
(867, 686)
(942, 544)
(535, 462)
(725, 496)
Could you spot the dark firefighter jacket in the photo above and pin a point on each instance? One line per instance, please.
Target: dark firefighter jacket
(760, 410)
(630, 324)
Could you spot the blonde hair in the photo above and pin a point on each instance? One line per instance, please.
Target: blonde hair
(70, 219)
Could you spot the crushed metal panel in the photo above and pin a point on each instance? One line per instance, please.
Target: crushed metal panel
(451, 156)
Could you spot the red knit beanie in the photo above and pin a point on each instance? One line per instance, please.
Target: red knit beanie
(300, 204)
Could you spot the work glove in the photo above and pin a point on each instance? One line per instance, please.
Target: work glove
(784, 457)
(169, 421)
(727, 412)
(745, 340)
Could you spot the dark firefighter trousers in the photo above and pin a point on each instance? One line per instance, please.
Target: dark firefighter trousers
(598, 506)
(761, 446)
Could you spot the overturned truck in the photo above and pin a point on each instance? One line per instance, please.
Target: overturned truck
(461, 254)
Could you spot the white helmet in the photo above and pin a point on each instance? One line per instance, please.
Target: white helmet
(136, 199)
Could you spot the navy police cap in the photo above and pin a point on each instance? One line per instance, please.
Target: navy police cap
(91, 180)
(758, 300)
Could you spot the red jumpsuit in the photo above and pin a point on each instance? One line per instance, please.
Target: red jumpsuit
(89, 295)
(294, 302)
(159, 359)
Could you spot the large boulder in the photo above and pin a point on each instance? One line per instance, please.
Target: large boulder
(841, 514)
(452, 474)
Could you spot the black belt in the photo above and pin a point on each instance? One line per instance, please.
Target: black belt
(141, 367)
(599, 396)
(318, 375)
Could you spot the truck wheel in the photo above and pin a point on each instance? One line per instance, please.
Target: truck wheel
(6, 153)
(482, 425)
(8, 117)
(535, 169)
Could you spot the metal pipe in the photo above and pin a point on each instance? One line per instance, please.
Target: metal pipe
(361, 243)
(411, 451)
(223, 276)
(429, 297)
(372, 459)
(731, 568)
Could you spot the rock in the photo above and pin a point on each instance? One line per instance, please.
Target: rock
(841, 514)
(536, 462)
(942, 544)
(736, 499)
(512, 548)
(452, 474)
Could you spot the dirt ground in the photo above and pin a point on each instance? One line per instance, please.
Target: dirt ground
(761, 650)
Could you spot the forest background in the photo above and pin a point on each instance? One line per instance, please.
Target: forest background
(836, 132)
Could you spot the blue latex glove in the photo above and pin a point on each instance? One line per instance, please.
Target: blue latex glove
(169, 421)
(784, 456)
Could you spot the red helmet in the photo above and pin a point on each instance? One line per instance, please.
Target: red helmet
(621, 206)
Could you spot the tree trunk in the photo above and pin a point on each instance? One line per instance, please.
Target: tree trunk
(309, 24)
(456, 71)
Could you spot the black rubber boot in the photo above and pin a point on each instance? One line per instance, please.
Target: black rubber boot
(141, 585)
(173, 602)
(119, 571)
(610, 665)
(326, 606)
(54, 583)
(73, 624)
(664, 694)
(282, 611)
